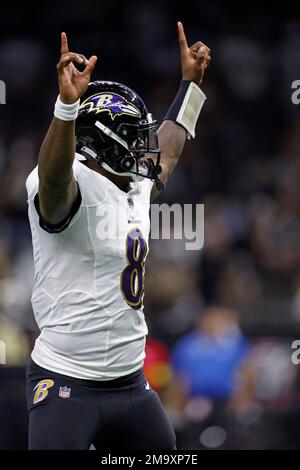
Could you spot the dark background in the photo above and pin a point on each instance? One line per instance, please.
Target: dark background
(244, 166)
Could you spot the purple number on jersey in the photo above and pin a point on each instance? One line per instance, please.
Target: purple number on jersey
(132, 277)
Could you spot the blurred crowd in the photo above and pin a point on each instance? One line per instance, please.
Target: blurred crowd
(221, 320)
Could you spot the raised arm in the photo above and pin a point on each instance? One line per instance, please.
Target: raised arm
(183, 113)
(57, 185)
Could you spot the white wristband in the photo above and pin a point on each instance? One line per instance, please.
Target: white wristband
(186, 106)
(66, 112)
(190, 109)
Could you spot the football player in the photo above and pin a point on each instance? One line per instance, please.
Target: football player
(102, 158)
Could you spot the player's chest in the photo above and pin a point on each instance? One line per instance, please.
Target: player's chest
(116, 222)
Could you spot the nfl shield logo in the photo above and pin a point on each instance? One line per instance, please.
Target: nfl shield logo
(130, 202)
(64, 392)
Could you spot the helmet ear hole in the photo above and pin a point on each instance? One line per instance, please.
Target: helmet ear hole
(127, 163)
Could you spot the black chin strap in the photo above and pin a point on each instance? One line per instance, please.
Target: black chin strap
(156, 171)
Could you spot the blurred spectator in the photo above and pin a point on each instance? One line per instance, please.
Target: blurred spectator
(211, 363)
(208, 358)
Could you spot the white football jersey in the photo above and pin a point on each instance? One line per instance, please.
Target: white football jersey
(89, 280)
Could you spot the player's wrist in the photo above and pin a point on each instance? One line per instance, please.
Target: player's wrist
(186, 106)
(66, 111)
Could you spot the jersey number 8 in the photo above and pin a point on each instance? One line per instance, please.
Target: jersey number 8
(132, 277)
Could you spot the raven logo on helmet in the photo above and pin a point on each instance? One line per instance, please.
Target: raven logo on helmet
(112, 103)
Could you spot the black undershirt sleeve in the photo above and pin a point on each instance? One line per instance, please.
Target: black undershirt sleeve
(61, 226)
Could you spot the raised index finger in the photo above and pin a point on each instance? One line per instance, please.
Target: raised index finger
(64, 44)
(181, 38)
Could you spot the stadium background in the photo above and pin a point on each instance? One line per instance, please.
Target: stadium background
(237, 300)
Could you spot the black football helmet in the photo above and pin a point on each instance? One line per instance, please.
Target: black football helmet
(114, 129)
